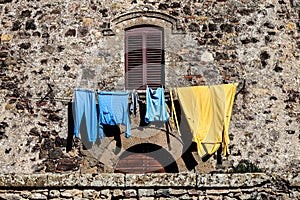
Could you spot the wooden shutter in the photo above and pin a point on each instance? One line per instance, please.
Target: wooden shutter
(144, 58)
(154, 58)
(134, 61)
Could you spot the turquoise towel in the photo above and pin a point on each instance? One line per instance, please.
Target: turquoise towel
(155, 105)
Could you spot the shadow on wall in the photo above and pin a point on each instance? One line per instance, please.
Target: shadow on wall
(146, 158)
(142, 158)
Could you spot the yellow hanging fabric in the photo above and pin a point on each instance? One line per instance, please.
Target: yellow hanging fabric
(208, 111)
(230, 94)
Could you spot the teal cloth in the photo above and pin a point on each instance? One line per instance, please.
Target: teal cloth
(155, 105)
(85, 106)
(113, 110)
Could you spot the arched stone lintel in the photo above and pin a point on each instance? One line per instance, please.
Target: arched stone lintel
(175, 24)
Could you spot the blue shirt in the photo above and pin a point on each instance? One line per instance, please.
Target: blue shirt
(155, 105)
(113, 110)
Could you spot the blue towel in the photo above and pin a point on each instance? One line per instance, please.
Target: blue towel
(85, 105)
(155, 105)
(113, 110)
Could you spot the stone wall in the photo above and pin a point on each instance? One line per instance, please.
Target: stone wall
(71, 44)
(150, 186)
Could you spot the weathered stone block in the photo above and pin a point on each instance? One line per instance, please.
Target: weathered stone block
(37, 196)
(105, 193)
(6, 37)
(5, 180)
(207, 57)
(35, 180)
(87, 21)
(54, 193)
(90, 193)
(110, 180)
(71, 193)
(294, 180)
(145, 192)
(66, 180)
(25, 194)
(146, 198)
(216, 192)
(117, 193)
(195, 192)
(232, 180)
(130, 193)
(177, 192)
(3, 54)
(185, 196)
(162, 193)
(30, 25)
(5, 1)
(70, 33)
(182, 179)
(79, 198)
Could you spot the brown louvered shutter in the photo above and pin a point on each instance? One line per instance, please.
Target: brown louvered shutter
(154, 58)
(144, 58)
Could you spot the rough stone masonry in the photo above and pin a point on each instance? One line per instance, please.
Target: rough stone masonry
(64, 45)
(149, 186)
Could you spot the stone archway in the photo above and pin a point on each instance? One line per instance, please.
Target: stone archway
(144, 17)
(146, 158)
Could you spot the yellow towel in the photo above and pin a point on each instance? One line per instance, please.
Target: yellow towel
(208, 111)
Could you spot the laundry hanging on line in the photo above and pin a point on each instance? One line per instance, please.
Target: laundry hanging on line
(208, 111)
(85, 106)
(113, 110)
(156, 105)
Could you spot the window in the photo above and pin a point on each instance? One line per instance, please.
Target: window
(144, 57)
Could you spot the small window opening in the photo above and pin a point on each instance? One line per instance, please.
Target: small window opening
(144, 57)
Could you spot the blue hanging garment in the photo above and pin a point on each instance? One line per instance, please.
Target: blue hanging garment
(155, 105)
(85, 105)
(113, 110)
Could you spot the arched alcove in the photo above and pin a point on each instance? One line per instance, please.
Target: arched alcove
(146, 158)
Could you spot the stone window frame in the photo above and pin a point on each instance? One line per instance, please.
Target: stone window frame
(119, 24)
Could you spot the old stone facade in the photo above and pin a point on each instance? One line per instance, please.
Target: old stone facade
(63, 45)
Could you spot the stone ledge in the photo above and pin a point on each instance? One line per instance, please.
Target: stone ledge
(161, 180)
(62, 180)
(292, 179)
(114, 180)
(232, 180)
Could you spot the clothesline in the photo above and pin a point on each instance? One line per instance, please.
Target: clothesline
(70, 99)
(63, 99)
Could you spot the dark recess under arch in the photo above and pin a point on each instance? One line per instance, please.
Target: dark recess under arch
(146, 158)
